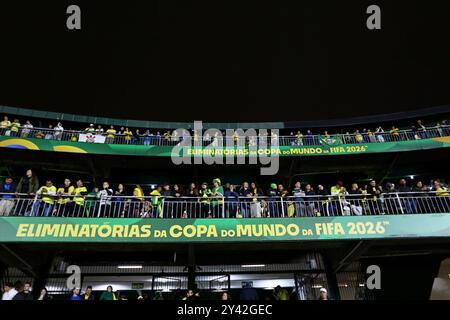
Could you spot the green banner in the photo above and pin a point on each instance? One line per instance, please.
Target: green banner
(141, 150)
(40, 229)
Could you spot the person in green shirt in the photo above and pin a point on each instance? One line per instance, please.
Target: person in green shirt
(91, 199)
(281, 293)
(157, 202)
(108, 294)
(217, 199)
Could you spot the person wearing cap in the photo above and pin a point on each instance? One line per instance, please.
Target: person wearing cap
(217, 199)
(274, 196)
(205, 200)
(323, 294)
(90, 129)
(157, 202)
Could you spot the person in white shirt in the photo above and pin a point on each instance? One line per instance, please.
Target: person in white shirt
(10, 291)
(105, 200)
(379, 134)
(26, 129)
(99, 130)
(58, 131)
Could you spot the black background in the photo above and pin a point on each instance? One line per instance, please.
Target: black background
(225, 60)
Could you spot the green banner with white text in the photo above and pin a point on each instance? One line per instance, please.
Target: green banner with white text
(52, 229)
(166, 151)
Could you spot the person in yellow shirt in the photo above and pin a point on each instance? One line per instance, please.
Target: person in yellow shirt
(358, 137)
(167, 136)
(44, 205)
(442, 193)
(138, 192)
(299, 138)
(90, 129)
(15, 126)
(39, 135)
(5, 125)
(128, 135)
(136, 203)
(394, 133)
(64, 202)
(110, 134)
(88, 295)
(79, 197)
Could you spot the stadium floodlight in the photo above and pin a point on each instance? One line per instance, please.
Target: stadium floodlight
(130, 267)
(253, 266)
(411, 177)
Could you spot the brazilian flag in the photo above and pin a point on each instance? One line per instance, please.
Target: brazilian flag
(330, 140)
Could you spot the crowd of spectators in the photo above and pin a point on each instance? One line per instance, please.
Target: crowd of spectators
(23, 291)
(213, 200)
(125, 135)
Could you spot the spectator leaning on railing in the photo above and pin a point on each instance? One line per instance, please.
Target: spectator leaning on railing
(126, 136)
(26, 129)
(110, 134)
(7, 190)
(90, 129)
(214, 202)
(59, 129)
(28, 184)
(4, 126)
(15, 127)
(45, 206)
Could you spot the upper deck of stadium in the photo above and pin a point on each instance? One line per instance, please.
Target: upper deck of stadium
(36, 130)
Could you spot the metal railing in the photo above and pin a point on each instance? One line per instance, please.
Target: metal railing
(223, 207)
(305, 140)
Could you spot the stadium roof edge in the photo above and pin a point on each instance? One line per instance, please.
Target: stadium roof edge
(379, 118)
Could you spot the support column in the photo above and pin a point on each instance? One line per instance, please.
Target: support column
(333, 288)
(191, 267)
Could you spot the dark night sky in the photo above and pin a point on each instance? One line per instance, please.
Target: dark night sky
(225, 60)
